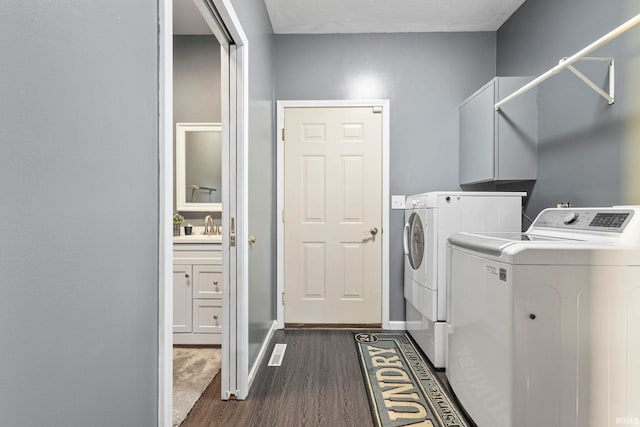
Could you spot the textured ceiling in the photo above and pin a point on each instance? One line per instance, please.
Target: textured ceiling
(387, 16)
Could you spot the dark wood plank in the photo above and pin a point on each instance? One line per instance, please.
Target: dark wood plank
(367, 326)
(319, 384)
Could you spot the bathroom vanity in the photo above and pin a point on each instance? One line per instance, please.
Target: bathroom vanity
(197, 289)
(197, 258)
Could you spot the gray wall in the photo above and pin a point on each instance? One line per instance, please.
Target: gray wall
(425, 77)
(196, 79)
(262, 257)
(196, 89)
(79, 241)
(588, 151)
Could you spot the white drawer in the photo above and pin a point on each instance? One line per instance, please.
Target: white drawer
(207, 316)
(207, 281)
(424, 299)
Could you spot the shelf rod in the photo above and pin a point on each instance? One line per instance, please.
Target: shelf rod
(575, 57)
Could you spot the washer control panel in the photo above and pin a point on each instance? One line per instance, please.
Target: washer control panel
(606, 220)
(609, 220)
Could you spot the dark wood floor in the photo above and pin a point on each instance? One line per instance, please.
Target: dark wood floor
(319, 384)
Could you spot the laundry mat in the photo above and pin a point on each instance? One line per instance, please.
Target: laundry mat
(402, 388)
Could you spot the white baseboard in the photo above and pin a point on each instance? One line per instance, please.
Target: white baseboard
(396, 325)
(261, 353)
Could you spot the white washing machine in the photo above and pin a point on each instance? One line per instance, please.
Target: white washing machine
(429, 219)
(545, 325)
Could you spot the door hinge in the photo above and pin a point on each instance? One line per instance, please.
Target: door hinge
(377, 109)
(232, 232)
(283, 298)
(282, 134)
(282, 215)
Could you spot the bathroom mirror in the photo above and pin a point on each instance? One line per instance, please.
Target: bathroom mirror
(198, 167)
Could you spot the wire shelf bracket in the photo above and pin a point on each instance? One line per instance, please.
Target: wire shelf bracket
(611, 94)
(568, 62)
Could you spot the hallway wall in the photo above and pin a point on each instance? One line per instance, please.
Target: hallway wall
(79, 216)
(262, 194)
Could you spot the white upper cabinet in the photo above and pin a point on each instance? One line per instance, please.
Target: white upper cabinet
(499, 145)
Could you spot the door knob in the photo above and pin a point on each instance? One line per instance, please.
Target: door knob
(252, 240)
(373, 231)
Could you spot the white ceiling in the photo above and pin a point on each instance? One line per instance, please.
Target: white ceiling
(387, 16)
(365, 16)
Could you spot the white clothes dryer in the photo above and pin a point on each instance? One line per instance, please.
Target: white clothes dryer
(429, 219)
(545, 325)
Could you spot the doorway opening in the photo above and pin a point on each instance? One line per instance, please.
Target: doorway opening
(221, 307)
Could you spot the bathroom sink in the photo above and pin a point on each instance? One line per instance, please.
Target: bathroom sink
(198, 238)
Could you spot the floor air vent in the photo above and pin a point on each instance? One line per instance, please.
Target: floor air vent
(277, 355)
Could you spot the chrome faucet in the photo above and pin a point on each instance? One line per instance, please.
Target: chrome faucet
(208, 225)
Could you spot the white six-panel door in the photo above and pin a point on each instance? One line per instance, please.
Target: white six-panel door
(332, 215)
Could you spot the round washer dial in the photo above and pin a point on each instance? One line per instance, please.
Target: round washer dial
(571, 217)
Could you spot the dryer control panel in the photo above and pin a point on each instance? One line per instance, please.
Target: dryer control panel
(604, 220)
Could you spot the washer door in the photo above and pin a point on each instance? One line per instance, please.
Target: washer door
(416, 241)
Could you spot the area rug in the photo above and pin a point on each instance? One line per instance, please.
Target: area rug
(193, 370)
(403, 390)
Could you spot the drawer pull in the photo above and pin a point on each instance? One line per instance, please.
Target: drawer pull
(186, 275)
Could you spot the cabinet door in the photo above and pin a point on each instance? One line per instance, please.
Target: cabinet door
(207, 316)
(517, 132)
(207, 281)
(182, 306)
(477, 131)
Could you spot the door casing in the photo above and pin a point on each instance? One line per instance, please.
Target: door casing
(383, 104)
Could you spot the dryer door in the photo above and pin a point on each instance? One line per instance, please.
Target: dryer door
(416, 241)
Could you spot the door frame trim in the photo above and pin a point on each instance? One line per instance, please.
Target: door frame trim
(165, 210)
(281, 105)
